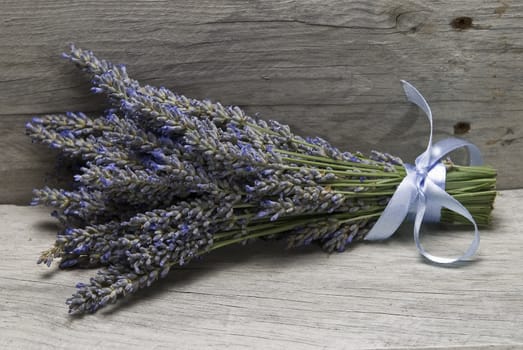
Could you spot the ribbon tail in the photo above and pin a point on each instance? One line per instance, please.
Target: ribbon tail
(443, 199)
(395, 211)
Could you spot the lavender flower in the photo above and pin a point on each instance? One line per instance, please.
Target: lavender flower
(166, 178)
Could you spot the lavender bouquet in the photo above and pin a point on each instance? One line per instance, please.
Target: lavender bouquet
(164, 179)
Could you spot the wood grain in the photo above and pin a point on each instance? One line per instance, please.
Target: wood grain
(374, 296)
(328, 68)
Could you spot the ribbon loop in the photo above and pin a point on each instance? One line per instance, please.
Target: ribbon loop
(422, 191)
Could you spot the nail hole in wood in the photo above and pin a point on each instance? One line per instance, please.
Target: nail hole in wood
(461, 128)
(461, 23)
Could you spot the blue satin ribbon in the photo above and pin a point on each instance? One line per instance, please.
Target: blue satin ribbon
(422, 191)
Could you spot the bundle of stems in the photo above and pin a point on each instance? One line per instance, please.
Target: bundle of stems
(165, 178)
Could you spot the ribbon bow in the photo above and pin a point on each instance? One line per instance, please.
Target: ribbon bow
(423, 189)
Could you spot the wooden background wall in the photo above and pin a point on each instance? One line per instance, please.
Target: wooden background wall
(327, 67)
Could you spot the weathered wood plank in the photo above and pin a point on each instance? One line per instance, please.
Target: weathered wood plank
(328, 68)
(24, 165)
(379, 295)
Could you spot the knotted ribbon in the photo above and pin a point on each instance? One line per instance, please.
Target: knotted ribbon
(422, 191)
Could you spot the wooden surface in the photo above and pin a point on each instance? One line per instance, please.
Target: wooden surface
(375, 296)
(328, 68)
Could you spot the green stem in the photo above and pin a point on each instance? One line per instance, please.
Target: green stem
(334, 162)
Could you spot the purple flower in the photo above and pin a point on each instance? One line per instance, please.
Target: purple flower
(96, 90)
(164, 178)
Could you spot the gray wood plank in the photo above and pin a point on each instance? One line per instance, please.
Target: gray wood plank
(23, 165)
(374, 296)
(328, 68)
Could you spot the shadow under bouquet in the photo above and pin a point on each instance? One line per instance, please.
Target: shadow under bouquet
(165, 179)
